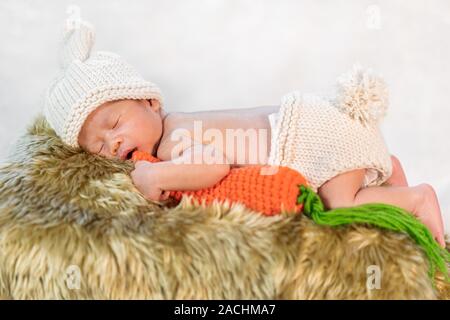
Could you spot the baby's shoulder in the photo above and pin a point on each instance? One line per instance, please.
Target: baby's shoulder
(176, 120)
(176, 130)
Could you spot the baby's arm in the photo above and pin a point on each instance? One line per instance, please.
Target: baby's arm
(182, 173)
(190, 171)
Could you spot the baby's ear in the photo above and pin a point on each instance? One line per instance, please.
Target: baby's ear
(154, 104)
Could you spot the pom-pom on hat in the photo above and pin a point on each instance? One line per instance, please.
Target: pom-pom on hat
(88, 80)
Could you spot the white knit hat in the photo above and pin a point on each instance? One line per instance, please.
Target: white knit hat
(88, 80)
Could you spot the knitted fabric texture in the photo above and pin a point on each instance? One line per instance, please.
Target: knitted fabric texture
(269, 192)
(322, 136)
(88, 80)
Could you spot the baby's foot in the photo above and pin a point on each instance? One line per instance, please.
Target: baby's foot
(428, 211)
(398, 178)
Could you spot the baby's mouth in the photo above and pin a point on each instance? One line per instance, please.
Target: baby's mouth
(130, 154)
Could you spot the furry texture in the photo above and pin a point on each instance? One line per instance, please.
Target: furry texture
(60, 207)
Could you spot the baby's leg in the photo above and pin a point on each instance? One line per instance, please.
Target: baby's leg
(345, 190)
(398, 177)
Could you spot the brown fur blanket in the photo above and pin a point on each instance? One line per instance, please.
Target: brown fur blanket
(73, 226)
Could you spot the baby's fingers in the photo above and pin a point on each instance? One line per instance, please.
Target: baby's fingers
(140, 163)
(164, 195)
(438, 233)
(440, 239)
(441, 233)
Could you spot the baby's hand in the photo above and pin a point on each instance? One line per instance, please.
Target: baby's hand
(146, 179)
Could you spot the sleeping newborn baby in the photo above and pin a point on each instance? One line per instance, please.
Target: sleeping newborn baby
(101, 104)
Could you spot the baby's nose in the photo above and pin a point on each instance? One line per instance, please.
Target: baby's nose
(115, 148)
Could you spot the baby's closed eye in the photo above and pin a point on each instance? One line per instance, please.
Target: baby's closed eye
(117, 122)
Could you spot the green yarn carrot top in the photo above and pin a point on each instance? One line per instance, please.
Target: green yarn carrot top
(380, 215)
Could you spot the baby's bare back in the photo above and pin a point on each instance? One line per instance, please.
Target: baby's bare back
(243, 135)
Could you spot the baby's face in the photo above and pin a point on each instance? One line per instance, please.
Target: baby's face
(117, 128)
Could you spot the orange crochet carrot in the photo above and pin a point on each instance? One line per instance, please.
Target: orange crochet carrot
(266, 193)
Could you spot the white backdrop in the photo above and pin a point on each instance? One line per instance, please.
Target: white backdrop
(211, 54)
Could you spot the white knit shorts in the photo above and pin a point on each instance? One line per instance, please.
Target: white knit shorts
(312, 136)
